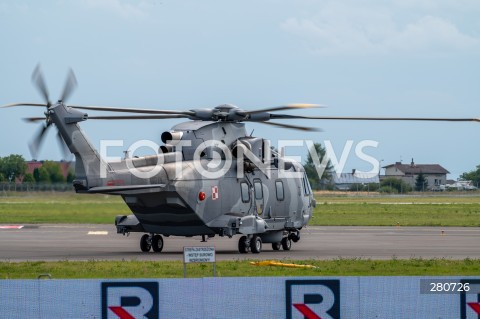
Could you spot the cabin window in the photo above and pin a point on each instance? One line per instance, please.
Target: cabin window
(279, 188)
(257, 185)
(245, 192)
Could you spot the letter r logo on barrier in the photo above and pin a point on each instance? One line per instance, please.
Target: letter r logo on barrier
(130, 300)
(313, 299)
(470, 300)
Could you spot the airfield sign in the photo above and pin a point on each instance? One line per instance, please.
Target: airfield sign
(200, 254)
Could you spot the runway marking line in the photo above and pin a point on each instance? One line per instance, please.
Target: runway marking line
(97, 233)
(11, 226)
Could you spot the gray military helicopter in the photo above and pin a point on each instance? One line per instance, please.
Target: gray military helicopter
(209, 177)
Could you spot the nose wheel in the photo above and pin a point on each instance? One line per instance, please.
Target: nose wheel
(256, 244)
(286, 243)
(243, 245)
(295, 237)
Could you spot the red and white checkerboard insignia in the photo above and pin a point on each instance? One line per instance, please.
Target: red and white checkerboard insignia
(214, 192)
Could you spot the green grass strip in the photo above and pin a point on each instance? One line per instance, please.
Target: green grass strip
(341, 210)
(174, 269)
(391, 214)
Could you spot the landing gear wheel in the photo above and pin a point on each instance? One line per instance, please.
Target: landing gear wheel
(145, 243)
(286, 243)
(276, 246)
(157, 243)
(242, 245)
(295, 237)
(256, 244)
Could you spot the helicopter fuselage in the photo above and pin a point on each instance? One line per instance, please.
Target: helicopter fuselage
(193, 205)
(194, 199)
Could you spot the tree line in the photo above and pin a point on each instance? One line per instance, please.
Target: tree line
(13, 168)
(473, 175)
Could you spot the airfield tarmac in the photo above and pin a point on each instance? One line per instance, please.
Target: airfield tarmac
(101, 242)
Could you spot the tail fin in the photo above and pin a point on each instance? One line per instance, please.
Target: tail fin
(88, 163)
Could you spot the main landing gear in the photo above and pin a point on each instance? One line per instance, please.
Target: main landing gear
(151, 241)
(253, 243)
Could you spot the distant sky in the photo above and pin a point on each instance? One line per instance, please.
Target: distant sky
(360, 58)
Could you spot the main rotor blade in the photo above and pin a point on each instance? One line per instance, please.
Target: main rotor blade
(34, 119)
(132, 110)
(272, 116)
(70, 85)
(137, 117)
(294, 127)
(281, 108)
(118, 117)
(35, 144)
(39, 81)
(438, 119)
(23, 104)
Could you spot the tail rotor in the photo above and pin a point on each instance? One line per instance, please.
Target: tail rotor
(38, 81)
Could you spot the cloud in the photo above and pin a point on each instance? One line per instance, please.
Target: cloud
(341, 29)
(119, 8)
(432, 33)
(10, 8)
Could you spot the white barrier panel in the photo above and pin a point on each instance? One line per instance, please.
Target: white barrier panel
(263, 297)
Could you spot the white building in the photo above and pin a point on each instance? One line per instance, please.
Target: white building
(347, 181)
(435, 174)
